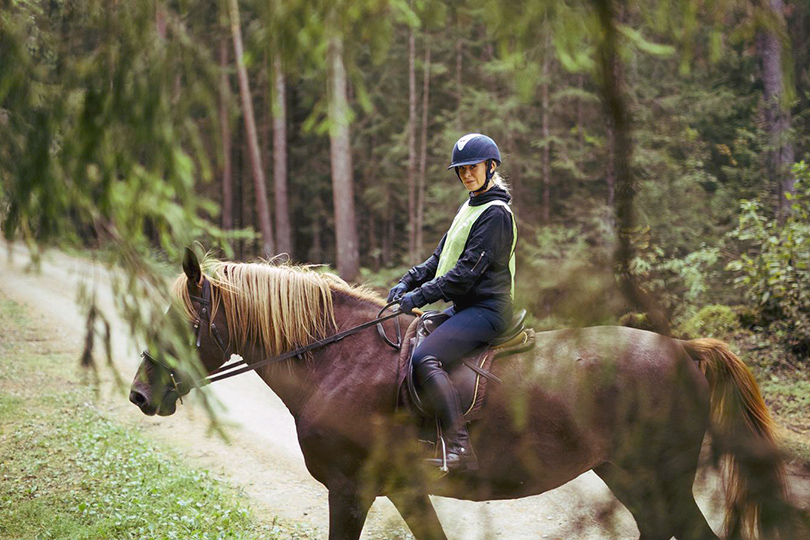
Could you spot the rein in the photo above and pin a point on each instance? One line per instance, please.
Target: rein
(233, 369)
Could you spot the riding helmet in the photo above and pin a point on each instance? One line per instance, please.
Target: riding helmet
(474, 148)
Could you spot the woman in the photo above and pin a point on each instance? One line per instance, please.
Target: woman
(473, 267)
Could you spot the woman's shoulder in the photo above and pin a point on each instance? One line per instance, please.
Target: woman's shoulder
(495, 216)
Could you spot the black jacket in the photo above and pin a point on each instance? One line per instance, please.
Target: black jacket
(481, 276)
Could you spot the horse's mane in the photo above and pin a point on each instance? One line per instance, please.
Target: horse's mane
(281, 306)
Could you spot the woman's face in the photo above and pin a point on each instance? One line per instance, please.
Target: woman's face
(473, 176)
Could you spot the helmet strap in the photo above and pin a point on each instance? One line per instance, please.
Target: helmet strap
(490, 174)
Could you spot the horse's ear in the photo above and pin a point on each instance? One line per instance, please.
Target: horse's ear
(191, 266)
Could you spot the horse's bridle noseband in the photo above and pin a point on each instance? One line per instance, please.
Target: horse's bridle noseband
(203, 317)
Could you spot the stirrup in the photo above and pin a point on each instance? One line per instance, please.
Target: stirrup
(443, 467)
(465, 460)
(438, 466)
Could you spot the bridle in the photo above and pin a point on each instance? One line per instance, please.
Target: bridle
(203, 318)
(232, 369)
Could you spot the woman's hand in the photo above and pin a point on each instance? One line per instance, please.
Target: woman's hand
(397, 291)
(408, 302)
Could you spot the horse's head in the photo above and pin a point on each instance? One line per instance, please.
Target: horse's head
(158, 385)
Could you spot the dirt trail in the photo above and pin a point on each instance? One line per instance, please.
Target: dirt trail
(263, 457)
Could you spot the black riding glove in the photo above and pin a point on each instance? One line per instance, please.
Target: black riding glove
(410, 301)
(397, 291)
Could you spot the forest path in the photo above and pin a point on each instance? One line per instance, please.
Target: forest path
(262, 456)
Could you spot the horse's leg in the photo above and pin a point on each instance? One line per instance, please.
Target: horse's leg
(678, 477)
(643, 495)
(418, 512)
(348, 508)
(689, 522)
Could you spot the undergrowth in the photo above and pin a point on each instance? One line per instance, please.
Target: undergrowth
(68, 471)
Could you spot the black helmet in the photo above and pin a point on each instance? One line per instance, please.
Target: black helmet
(474, 148)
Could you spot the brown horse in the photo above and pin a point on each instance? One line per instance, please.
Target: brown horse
(631, 405)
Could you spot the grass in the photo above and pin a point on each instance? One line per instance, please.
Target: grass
(785, 385)
(69, 471)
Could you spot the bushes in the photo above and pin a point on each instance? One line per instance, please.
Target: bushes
(714, 321)
(773, 268)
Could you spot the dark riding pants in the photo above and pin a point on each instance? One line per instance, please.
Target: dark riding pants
(457, 336)
(462, 333)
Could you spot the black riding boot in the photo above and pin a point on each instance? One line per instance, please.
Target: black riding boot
(442, 399)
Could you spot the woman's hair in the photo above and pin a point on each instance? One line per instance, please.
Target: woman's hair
(500, 181)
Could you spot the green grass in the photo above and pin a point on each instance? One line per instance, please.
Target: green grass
(785, 384)
(67, 470)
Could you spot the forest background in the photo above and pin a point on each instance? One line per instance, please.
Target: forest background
(654, 148)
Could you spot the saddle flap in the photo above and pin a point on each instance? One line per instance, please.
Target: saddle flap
(471, 375)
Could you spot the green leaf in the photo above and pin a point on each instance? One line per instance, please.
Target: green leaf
(637, 39)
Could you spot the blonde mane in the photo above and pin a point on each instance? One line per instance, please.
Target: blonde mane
(280, 306)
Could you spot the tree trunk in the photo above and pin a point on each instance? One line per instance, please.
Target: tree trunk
(347, 252)
(420, 200)
(316, 251)
(386, 243)
(546, 160)
(239, 190)
(259, 182)
(373, 243)
(612, 81)
(160, 19)
(283, 230)
(610, 168)
(266, 129)
(225, 132)
(411, 145)
(459, 86)
(779, 156)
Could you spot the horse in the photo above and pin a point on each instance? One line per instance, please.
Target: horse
(631, 405)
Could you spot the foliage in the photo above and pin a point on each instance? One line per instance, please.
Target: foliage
(100, 148)
(111, 136)
(635, 320)
(564, 275)
(714, 320)
(70, 471)
(773, 266)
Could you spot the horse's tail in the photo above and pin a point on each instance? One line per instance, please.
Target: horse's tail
(743, 436)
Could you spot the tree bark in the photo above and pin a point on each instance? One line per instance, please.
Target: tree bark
(283, 230)
(239, 189)
(262, 208)
(373, 243)
(610, 168)
(411, 145)
(580, 114)
(347, 252)
(546, 160)
(160, 19)
(612, 81)
(779, 156)
(420, 201)
(225, 133)
(459, 86)
(316, 251)
(266, 128)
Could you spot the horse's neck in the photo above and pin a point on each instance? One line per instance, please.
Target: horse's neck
(335, 366)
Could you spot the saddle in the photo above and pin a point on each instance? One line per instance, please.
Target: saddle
(472, 374)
